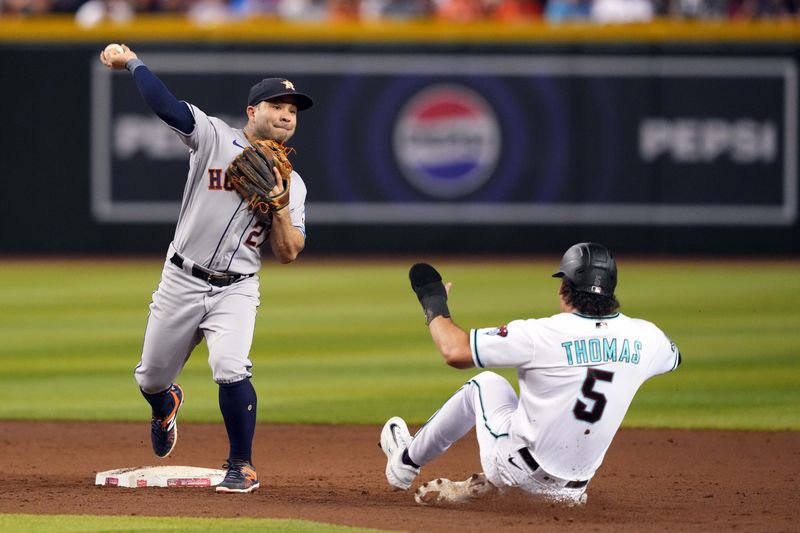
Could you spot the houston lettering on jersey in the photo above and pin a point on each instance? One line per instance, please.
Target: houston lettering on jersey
(602, 350)
(215, 180)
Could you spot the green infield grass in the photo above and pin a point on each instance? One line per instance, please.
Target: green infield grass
(152, 524)
(345, 342)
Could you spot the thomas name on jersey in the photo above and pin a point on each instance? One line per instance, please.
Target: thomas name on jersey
(602, 350)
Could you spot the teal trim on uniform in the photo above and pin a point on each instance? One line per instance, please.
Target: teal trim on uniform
(439, 409)
(483, 412)
(615, 315)
(475, 345)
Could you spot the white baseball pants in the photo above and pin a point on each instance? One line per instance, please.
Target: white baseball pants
(487, 402)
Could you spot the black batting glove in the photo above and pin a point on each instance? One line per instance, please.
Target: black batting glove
(427, 284)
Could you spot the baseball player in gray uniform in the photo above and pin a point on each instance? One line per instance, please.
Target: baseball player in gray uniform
(578, 373)
(209, 286)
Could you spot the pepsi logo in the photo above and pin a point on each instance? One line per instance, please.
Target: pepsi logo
(447, 141)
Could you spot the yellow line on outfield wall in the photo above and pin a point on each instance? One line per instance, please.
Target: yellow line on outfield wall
(153, 28)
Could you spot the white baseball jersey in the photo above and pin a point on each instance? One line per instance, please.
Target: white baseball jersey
(577, 377)
(215, 227)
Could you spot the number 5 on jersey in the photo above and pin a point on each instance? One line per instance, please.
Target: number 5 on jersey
(580, 410)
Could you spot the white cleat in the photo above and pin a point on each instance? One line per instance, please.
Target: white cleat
(395, 438)
(443, 490)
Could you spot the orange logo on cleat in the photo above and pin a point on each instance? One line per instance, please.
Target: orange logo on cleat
(249, 474)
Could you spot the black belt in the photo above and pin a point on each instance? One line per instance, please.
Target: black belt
(216, 279)
(531, 462)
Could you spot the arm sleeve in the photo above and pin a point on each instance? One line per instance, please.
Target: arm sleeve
(160, 100)
(508, 346)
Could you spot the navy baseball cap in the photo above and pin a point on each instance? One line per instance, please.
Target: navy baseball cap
(270, 88)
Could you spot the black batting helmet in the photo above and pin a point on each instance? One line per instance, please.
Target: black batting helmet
(589, 267)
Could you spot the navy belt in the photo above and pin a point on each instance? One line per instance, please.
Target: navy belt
(216, 279)
(531, 462)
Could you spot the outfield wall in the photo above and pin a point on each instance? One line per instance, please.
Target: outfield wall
(660, 138)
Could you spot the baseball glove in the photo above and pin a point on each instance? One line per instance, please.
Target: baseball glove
(252, 176)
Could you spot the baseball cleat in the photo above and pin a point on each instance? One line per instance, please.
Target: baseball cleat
(443, 490)
(241, 477)
(164, 431)
(395, 438)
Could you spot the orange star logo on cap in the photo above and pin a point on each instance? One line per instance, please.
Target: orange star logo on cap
(289, 85)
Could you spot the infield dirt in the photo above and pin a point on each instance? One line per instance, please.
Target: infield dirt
(652, 480)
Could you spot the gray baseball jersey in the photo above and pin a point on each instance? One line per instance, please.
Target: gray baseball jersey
(217, 231)
(215, 228)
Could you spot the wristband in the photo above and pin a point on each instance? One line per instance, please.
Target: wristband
(433, 303)
(133, 63)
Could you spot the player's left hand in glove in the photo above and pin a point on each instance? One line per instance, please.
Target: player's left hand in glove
(261, 174)
(431, 292)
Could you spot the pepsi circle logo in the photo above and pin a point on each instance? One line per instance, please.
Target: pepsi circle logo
(447, 141)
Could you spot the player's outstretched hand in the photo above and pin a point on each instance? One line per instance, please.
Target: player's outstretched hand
(116, 56)
(431, 292)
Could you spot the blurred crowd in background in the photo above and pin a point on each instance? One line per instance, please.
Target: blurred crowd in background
(90, 12)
